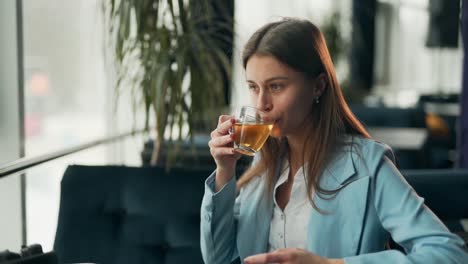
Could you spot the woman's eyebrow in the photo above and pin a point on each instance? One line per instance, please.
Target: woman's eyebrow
(272, 79)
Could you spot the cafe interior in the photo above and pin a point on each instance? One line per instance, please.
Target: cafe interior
(99, 164)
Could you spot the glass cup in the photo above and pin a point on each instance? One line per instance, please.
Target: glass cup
(250, 130)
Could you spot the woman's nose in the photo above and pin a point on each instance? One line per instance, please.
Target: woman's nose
(264, 102)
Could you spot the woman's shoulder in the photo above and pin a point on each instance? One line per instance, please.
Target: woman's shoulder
(368, 151)
(368, 145)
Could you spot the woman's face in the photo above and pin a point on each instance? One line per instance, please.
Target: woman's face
(283, 93)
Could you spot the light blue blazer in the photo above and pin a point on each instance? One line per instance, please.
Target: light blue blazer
(375, 204)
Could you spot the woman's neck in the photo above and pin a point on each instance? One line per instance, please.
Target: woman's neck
(296, 154)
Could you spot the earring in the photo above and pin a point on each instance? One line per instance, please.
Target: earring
(317, 100)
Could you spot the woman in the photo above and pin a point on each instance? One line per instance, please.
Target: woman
(320, 190)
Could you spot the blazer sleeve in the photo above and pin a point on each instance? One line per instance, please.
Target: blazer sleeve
(411, 224)
(218, 229)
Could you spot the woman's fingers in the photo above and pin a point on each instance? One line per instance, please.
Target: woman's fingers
(224, 124)
(288, 255)
(265, 258)
(220, 141)
(224, 118)
(216, 152)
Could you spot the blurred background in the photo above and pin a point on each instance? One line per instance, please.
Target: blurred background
(400, 64)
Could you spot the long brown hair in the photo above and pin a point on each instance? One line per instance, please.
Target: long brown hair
(300, 45)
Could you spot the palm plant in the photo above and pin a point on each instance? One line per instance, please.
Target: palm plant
(169, 54)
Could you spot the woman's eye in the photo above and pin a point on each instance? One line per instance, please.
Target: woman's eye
(252, 88)
(276, 87)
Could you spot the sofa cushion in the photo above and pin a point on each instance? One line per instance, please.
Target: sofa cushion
(118, 214)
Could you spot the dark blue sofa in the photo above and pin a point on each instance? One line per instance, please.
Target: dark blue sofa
(382, 116)
(445, 192)
(121, 215)
(116, 214)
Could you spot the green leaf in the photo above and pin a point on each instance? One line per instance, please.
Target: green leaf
(173, 42)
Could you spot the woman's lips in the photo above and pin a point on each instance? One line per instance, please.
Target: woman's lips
(268, 120)
(273, 121)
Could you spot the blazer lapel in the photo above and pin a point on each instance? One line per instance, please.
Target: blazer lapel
(254, 230)
(337, 232)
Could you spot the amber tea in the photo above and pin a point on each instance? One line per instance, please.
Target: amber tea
(251, 130)
(250, 137)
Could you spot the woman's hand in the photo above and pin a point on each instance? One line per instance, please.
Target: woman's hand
(290, 256)
(221, 148)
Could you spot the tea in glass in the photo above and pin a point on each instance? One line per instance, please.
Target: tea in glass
(250, 131)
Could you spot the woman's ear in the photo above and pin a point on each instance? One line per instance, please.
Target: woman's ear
(320, 85)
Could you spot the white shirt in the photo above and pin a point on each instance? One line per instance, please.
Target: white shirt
(288, 228)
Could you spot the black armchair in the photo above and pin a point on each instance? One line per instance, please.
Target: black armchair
(116, 214)
(446, 194)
